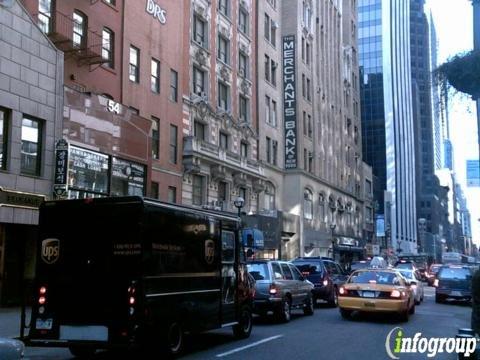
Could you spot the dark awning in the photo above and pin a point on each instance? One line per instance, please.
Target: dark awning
(353, 249)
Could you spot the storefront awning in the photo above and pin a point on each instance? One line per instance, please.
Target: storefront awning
(253, 238)
(346, 248)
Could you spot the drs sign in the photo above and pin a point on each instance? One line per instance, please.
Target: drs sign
(289, 102)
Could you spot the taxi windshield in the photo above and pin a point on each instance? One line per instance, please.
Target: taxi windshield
(374, 277)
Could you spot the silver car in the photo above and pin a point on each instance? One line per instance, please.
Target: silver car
(11, 349)
(415, 282)
(279, 288)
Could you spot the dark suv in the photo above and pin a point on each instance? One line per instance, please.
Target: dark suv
(280, 287)
(325, 274)
(453, 281)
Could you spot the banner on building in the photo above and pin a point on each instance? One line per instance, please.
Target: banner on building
(289, 102)
(473, 173)
(380, 225)
(61, 168)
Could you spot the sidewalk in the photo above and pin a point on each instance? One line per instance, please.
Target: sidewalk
(10, 321)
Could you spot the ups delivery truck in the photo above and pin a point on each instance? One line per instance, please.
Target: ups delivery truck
(128, 271)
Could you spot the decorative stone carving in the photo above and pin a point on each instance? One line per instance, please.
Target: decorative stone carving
(240, 179)
(201, 57)
(245, 86)
(218, 172)
(225, 73)
(258, 185)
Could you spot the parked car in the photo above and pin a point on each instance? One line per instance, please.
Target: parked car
(432, 273)
(453, 281)
(325, 274)
(279, 288)
(376, 290)
(415, 284)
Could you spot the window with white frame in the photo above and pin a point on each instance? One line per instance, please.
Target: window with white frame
(197, 190)
(269, 197)
(242, 64)
(223, 51)
(307, 204)
(243, 20)
(155, 76)
(200, 31)
(243, 108)
(107, 46)
(223, 96)
(199, 81)
(134, 64)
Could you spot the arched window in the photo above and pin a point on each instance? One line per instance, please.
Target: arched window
(321, 207)
(307, 204)
(269, 197)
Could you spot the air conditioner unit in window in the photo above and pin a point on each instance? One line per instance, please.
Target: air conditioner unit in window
(274, 24)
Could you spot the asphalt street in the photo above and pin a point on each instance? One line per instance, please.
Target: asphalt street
(325, 335)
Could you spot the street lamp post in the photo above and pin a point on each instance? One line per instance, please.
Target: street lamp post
(332, 227)
(239, 202)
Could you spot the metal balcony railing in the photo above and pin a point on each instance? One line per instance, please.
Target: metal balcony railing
(73, 38)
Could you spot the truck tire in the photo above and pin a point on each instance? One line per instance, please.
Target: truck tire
(284, 311)
(174, 339)
(82, 352)
(244, 327)
(308, 306)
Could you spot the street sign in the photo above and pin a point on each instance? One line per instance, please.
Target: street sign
(20, 199)
(61, 168)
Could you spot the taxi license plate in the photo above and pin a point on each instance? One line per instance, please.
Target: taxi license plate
(456, 293)
(43, 324)
(368, 294)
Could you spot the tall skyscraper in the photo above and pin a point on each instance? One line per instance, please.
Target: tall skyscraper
(387, 113)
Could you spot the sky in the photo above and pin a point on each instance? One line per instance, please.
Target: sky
(454, 24)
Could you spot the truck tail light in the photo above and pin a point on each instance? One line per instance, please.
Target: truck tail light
(273, 290)
(132, 299)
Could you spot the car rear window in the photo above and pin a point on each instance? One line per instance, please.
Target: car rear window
(454, 274)
(404, 266)
(407, 274)
(375, 277)
(259, 271)
(308, 268)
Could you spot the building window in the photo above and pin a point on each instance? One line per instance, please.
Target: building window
(368, 186)
(266, 27)
(305, 160)
(223, 96)
(31, 146)
(321, 208)
(155, 76)
(108, 40)
(310, 126)
(310, 161)
(200, 31)
(270, 29)
(274, 152)
(173, 144)
(273, 118)
(199, 130)
(224, 7)
(198, 82)
(172, 194)
(308, 53)
(243, 109)
(243, 149)
(79, 29)
(309, 94)
(222, 193)
(223, 49)
(304, 91)
(3, 138)
(134, 66)
(155, 137)
(173, 85)
(273, 70)
(197, 190)
(243, 65)
(267, 109)
(269, 197)
(243, 20)
(45, 15)
(267, 67)
(154, 190)
(307, 204)
(223, 141)
(304, 117)
(268, 149)
(242, 192)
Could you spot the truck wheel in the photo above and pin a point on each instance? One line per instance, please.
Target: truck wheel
(345, 313)
(438, 299)
(333, 300)
(82, 352)
(244, 327)
(174, 339)
(284, 312)
(308, 306)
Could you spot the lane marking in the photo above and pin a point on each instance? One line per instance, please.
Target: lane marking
(249, 346)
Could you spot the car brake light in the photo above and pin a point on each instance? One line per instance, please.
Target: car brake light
(435, 283)
(42, 300)
(43, 290)
(396, 294)
(273, 290)
(343, 291)
(131, 301)
(325, 282)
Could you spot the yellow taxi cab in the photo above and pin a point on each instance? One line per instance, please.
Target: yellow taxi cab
(376, 290)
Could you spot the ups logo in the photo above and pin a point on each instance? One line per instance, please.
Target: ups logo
(50, 250)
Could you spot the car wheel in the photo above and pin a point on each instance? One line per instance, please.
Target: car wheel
(284, 313)
(417, 302)
(308, 307)
(333, 300)
(412, 310)
(405, 315)
(174, 339)
(345, 313)
(244, 327)
(82, 352)
(439, 299)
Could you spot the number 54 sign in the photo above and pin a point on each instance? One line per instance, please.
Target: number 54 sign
(113, 107)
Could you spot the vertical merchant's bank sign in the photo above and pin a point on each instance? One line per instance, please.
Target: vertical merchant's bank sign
(289, 102)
